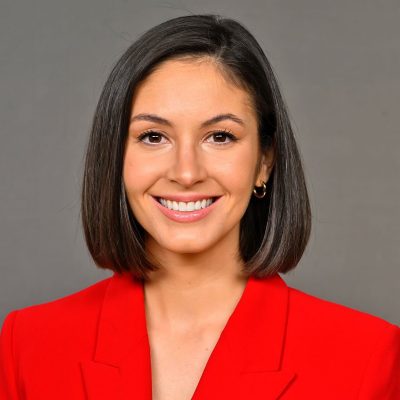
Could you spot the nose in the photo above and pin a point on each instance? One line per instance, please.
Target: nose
(188, 166)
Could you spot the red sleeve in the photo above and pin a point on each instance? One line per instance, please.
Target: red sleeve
(382, 375)
(8, 386)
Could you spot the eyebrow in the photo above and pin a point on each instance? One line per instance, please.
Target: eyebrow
(159, 120)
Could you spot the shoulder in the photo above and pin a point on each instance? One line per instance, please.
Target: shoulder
(78, 309)
(326, 339)
(337, 327)
(311, 308)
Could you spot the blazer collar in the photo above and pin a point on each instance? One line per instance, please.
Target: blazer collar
(245, 363)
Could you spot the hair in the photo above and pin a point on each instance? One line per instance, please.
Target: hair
(274, 230)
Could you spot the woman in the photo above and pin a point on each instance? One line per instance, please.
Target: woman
(194, 195)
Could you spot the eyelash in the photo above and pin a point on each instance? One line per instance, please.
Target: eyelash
(225, 132)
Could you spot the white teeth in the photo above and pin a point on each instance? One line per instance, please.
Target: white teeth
(183, 206)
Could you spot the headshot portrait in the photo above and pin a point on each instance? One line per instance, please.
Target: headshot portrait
(220, 254)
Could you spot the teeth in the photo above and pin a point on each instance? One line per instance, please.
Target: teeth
(183, 206)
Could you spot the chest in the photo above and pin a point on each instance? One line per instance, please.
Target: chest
(178, 361)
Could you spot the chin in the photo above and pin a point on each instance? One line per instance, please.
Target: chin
(187, 247)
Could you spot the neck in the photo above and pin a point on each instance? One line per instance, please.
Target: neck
(193, 290)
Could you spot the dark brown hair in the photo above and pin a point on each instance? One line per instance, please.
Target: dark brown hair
(274, 230)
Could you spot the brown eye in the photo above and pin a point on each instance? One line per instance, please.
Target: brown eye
(154, 137)
(221, 136)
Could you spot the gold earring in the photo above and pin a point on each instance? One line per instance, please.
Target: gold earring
(264, 190)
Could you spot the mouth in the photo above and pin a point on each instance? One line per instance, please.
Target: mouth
(183, 206)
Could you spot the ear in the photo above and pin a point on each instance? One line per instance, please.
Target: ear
(266, 165)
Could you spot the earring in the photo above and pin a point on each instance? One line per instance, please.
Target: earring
(264, 190)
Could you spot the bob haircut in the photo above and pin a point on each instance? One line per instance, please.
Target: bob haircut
(274, 230)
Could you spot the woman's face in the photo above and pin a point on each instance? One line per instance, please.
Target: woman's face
(187, 153)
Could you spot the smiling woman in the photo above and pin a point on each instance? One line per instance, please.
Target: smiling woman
(186, 115)
(194, 195)
(189, 156)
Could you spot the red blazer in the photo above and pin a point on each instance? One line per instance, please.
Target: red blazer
(278, 343)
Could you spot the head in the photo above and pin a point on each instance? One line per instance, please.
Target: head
(217, 68)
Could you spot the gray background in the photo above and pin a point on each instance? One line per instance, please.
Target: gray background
(338, 63)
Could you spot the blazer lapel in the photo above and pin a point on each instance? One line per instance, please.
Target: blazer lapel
(245, 363)
(120, 369)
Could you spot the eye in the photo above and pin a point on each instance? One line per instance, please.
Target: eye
(221, 135)
(154, 137)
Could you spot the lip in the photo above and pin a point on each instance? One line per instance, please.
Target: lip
(186, 216)
(187, 197)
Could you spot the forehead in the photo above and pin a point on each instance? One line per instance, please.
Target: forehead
(190, 86)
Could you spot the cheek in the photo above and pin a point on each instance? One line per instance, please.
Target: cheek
(238, 170)
(137, 173)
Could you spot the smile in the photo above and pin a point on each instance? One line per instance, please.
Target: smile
(186, 206)
(181, 211)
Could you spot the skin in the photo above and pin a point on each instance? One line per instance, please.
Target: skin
(189, 300)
